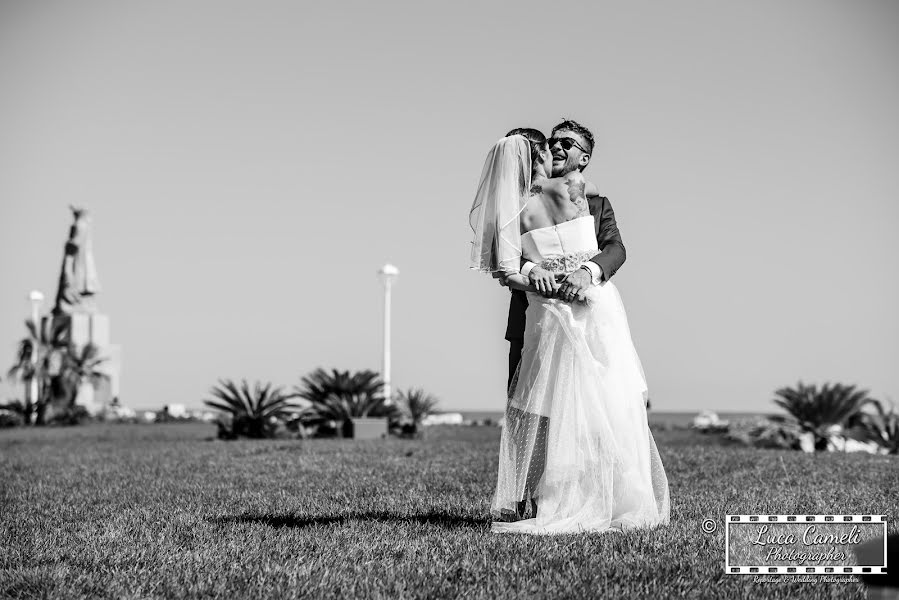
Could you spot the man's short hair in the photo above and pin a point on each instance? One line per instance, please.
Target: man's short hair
(535, 139)
(575, 127)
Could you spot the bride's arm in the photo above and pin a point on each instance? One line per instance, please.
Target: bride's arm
(517, 281)
(508, 251)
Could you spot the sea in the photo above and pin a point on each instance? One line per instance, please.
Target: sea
(674, 419)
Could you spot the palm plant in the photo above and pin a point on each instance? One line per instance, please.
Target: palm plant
(880, 426)
(340, 395)
(319, 384)
(79, 366)
(821, 411)
(12, 414)
(39, 357)
(253, 412)
(24, 370)
(416, 404)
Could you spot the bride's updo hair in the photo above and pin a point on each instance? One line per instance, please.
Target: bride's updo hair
(535, 139)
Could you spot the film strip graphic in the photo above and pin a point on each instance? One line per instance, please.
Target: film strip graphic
(878, 521)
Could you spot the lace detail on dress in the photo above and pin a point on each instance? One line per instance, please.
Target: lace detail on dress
(567, 263)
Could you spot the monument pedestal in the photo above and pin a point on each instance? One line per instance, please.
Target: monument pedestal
(93, 328)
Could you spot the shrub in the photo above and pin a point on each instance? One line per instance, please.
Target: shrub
(71, 415)
(414, 406)
(765, 432)
(820, 412)
(338, 396)
(11, 417)
(250, 413)
(880, 426)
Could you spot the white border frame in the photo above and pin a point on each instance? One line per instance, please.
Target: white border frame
(833, 570)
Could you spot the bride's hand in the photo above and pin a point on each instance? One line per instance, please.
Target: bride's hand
(544, 281)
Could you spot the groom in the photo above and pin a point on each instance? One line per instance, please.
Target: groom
(571, 145)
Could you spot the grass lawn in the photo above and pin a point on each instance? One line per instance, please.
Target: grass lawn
(165, 511)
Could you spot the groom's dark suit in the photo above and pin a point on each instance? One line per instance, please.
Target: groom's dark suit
(609, 260)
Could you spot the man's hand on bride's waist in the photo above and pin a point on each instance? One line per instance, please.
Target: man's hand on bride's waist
(575, 286)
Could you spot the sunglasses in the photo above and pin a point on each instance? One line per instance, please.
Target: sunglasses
(566, 144)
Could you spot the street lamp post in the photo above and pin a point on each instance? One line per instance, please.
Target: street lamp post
(388, 274)
(37, 299)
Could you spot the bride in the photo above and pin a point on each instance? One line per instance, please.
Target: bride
(576, 452)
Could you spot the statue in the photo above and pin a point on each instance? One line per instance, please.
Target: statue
(78, 282)
(76, 311)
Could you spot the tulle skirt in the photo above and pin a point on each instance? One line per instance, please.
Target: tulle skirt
(576, 453)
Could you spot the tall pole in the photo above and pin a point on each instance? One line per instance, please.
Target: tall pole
(387, 273)
(386, 366)
(36, 299)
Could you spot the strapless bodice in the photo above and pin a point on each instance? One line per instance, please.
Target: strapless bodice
(561, 248)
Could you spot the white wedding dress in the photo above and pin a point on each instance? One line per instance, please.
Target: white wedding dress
(575, 438)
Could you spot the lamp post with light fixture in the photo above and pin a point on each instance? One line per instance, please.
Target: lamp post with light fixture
(37, 299)
(388, 273)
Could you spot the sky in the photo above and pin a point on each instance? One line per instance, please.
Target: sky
(250, 165)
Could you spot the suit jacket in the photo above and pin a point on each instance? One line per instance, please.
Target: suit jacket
(609, 260)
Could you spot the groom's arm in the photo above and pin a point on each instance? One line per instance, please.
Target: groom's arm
(608, 237)
(610, 258)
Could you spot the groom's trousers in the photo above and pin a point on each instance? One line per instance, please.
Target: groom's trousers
(515, 347)
(532, 449)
